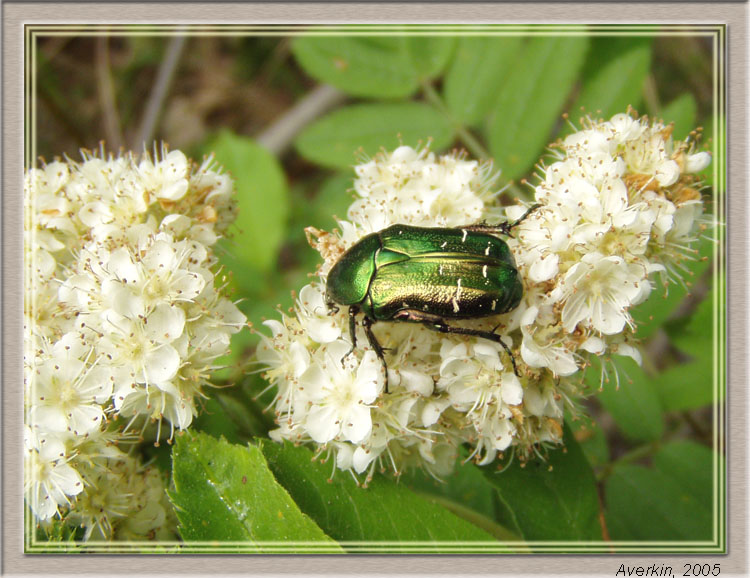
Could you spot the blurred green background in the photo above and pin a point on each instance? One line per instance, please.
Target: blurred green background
(288, 116)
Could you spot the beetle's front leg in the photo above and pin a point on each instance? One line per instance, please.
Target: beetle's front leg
(375, 344)
(352, 332)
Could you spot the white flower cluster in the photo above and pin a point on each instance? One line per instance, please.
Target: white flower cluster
(123, 326)
(618, 205)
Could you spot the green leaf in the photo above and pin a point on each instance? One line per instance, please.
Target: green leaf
(480, 68)
(687, 386)
(262, 201)
(691, 465)
(332, 199)
(616, 80)
(696, 337)
(530, 101)
(466, 485)
(651, 314)
(384, 511)
(333, 140)
(671, 501)
(369, 66)
(554, 499)
(690, 385)
(225, 492)
(633, 403)
(429, 55)
(682, 112)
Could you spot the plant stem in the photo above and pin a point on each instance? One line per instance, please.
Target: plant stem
(633, 455)
(106, 91)
(472, 143)
(651, 96)
(490, 526)
(159, 92)
(278, 137)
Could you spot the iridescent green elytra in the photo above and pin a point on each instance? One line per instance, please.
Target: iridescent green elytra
(427, 275)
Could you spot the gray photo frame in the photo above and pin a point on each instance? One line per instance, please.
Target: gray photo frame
(18, 16)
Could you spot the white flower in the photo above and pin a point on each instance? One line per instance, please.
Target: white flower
(313, 312)
(412, 186)
(543, 345)
(68, 395)
(143, 348)
(159, 274)
(339, 398)
(168, 178)
(697, 162)
(598, 290)
(50, 480)
(159, 400)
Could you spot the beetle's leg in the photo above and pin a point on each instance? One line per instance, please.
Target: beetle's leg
(443, 327)
(352, 331)
(435, 322)
(331, 304)
(375, 344)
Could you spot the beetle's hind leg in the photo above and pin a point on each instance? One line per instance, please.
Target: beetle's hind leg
(443, 327)
(437, 323)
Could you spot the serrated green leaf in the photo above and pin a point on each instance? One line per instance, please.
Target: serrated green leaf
(225, 492)
(651, 314)
(671, 501)
(530, 102)
(429, 55)
(682, 112)
(334, 140)
(617, 80)
(634, 404)
(262, 202)
(370, 66)
(480, 67)
(385, 511)
(551, 500)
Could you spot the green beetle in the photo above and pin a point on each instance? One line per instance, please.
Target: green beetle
(427, 275)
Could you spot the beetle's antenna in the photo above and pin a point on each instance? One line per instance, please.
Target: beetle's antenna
(506, 228)
(502, 228)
